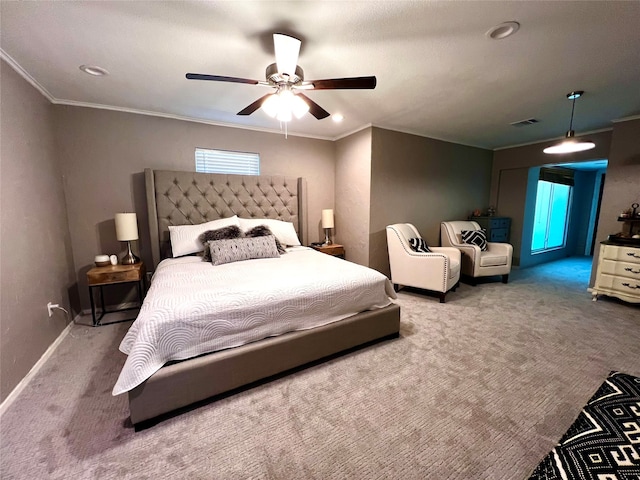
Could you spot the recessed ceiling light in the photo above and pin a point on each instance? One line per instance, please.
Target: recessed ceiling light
(94, 70)
(504, 30)
(337, 117)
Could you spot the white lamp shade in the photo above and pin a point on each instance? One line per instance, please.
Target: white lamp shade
(327, 218)
(126, 226)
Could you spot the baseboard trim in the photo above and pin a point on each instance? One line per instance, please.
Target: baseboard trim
(36, 368)
(118, 306)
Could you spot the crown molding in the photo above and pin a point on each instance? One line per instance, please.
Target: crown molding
(24, 74)
(626, 119)
(409, 132)
(74, 103)
(554, 139)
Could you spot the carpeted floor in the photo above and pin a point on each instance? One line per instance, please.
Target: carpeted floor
(481, 387)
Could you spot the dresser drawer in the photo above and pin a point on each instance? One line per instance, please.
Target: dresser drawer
(500, 223)
(499, 235)
(628, 286)
(621, 269)
(622, 254)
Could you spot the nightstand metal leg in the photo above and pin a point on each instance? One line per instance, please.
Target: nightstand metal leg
(140, 288)
(93, 306)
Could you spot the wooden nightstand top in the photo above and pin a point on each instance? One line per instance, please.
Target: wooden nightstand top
(334, 249)
(116, 274)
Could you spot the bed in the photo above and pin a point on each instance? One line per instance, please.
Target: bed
(189, 198)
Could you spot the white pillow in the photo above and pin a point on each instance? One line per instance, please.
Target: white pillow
(184, 238)
(284, 231)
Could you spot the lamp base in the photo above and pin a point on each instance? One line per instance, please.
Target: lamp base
(327, 240)
(129, 258)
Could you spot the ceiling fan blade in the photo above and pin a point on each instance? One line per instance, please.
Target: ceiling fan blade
(353, 83)
(287, 50)
(219, 78)
(248, 110)
(314, 109)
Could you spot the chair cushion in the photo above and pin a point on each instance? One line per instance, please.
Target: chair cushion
(489, 260)
(454, 267)
(419, 245)
(475, 237)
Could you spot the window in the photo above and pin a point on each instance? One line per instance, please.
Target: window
(551, 216)
(222, 161)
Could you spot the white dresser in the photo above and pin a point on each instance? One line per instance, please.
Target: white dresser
(618, 273)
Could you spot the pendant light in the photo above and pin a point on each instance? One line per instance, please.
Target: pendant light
(571, 144)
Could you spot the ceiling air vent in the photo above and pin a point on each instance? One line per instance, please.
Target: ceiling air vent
(522, 123)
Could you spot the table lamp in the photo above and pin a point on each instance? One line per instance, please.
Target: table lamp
(127, 230)
(327, 224)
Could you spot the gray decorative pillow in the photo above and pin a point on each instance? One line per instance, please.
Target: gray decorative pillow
(224, 233)
(263, 231)
(239, 249)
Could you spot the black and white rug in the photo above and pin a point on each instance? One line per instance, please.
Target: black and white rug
(604, 442)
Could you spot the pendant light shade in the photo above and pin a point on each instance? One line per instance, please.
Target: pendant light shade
(571, 144)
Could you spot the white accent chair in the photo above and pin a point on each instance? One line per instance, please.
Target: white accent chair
(496, 260)
(438, 271)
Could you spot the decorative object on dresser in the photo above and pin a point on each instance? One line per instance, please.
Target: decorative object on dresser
(100, 277)
(630, 217)
(334, 249)
(498, 228)
(437, 270)
(126, 231)
(327, 224)
(102, 260)
(602, 442)
(618, 273)
(495, 260)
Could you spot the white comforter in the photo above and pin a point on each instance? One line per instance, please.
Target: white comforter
(193, 307)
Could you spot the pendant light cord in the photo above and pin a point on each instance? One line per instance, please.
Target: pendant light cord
(573, 106)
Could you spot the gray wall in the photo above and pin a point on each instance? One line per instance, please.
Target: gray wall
(36, 261)
(103, 155)
(353, 195)
(510, 176)
(422, 181)
(622, 184)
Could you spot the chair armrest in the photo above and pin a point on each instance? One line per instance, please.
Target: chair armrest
(500, 248)
(472, 251)
(451, 252)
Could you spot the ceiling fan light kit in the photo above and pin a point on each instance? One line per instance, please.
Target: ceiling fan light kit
(287, 78)
(285, 104)
(570, 144)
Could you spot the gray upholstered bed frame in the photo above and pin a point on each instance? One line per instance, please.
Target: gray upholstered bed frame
(179, 198)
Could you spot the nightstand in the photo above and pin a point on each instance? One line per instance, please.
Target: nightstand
(334, 250)
(99, 277)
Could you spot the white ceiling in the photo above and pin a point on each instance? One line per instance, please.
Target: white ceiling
(438, 74)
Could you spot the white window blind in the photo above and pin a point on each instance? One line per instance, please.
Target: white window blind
(222, 161)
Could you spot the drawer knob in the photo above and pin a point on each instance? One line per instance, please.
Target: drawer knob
(629, 286)
(631, 254)
(629, 269)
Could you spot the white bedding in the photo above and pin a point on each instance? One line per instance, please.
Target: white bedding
(194, 307)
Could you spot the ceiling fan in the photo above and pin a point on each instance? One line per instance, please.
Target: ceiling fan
(288, 80)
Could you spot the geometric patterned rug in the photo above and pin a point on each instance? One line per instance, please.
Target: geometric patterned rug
(604, 442)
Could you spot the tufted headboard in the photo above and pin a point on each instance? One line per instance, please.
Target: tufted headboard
(184, 198)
